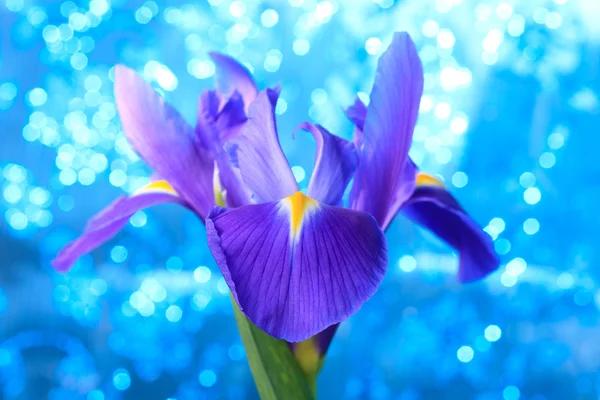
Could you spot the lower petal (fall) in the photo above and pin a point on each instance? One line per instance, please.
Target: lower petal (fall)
(437, 210)
(108, 222)
(297, 266)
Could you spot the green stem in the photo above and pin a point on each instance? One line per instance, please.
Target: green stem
(309, 359)
(276, 373)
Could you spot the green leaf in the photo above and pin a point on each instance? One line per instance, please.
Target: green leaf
(276, 373)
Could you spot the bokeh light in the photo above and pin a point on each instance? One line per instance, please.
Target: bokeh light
(507, 121)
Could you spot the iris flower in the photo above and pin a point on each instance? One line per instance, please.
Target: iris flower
(295, 263)
(184, 159)
(387, 182)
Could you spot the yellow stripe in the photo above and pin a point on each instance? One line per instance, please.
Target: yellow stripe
(299, 205)
(428, 180)
(161, 186)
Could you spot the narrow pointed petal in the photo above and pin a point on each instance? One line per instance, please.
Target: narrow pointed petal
(297, 266)
(232, 76)
(380, 185)
(168, 144)
(258, 155)
(435, 208)
(112, 219)
(357, 113)
(335, 164)
(214, 128)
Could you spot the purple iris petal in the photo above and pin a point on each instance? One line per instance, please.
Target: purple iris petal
(297, 266)
(107, 224)
(357, 113)
(230, 118)
(257, 153)
(434, 208)
(380, 185)
(234, 189)
(335, 164)
(160, 135)
(215, 126)
(232, 76)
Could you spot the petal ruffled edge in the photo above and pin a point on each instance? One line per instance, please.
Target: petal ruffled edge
(232, 76)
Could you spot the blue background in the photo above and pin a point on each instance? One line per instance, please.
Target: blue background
(509, 120)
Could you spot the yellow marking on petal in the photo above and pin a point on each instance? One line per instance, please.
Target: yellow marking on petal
(161, 186)
(428, 180)
(299, 205)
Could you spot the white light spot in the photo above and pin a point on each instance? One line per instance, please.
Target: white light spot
(459, 125)
(273, 60)
(460, 179)
(527, 179)
(465, 354)
(373, 45)
(508, 280)
(202, 274)
(493, 40)
(319, 96)
(174, 313)
(37, 97)
(269, 18)
(531, 226)
(553, 20)
(301, 46)
(407, 263)
(426, 104)
(565, 280)
(547, 160)
(532, 195)
(281, 106)
(445, 39)
(443, 110)
(556, 141)
(516, 26)
(504, 10)
(516, 267)
(237, 9)
(430, 28)
(492, 333)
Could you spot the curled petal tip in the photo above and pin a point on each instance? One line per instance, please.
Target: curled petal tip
(61, 266)
(436, 209)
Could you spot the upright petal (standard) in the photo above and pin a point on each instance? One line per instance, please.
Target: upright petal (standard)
(257, 153)
(162, 138)
(335, 164)
(380, 185)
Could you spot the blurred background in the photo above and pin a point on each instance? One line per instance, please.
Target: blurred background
(510, 120)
